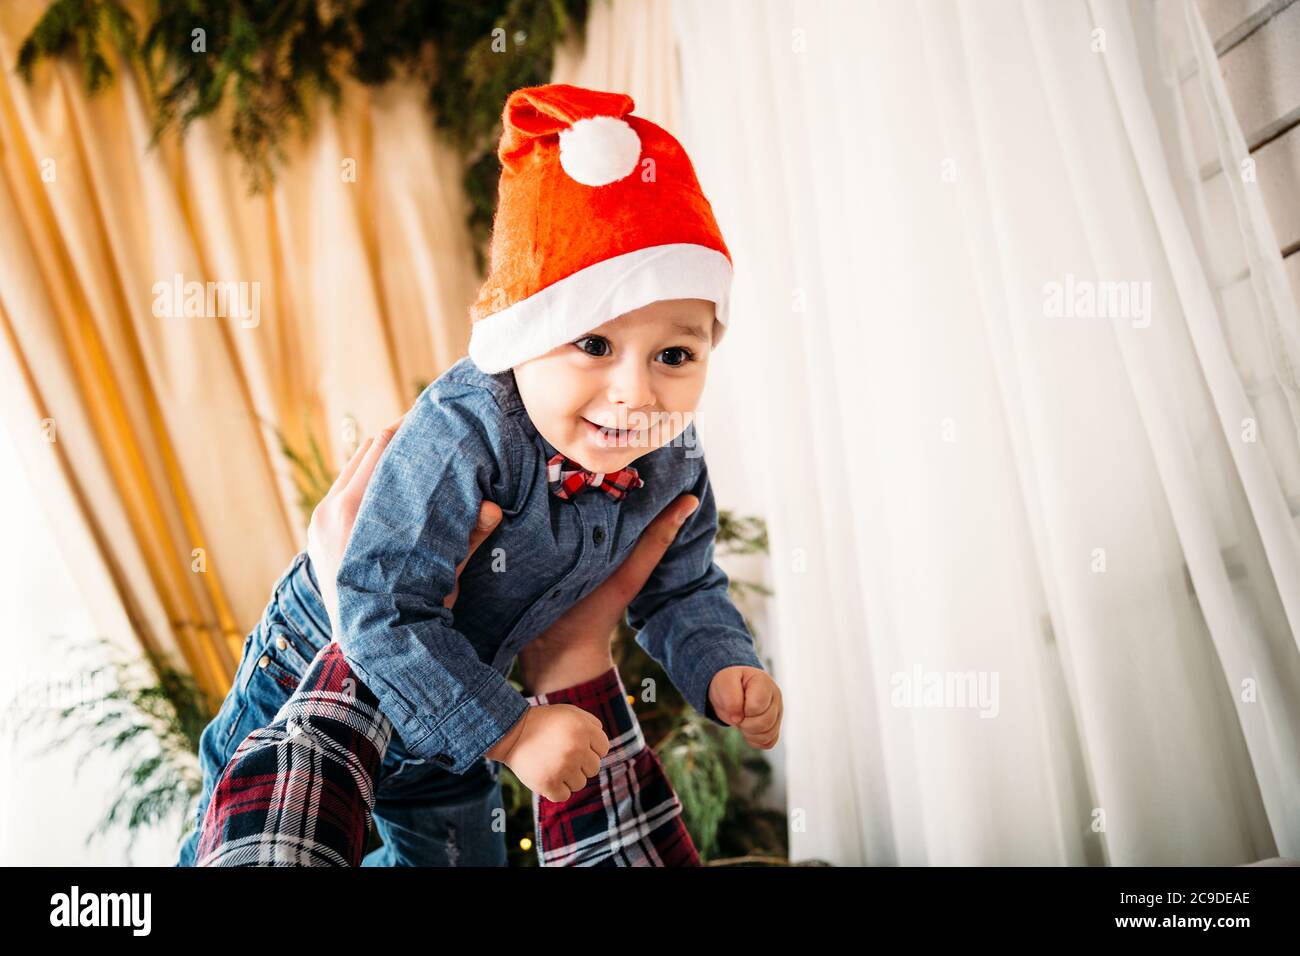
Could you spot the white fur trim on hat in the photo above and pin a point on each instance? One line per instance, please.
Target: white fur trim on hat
(599, 150)
(602, 291)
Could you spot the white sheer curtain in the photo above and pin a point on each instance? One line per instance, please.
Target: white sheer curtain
(977, 458)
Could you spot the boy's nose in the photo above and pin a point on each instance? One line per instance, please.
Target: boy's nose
(630, 387)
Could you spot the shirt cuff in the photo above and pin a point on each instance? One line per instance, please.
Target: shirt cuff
(460, 739)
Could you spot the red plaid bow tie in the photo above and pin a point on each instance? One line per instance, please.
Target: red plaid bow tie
(574, 479)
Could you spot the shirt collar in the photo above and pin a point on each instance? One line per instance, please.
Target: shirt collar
(551, 450)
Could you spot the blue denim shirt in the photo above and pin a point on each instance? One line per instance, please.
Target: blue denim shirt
(441, 675)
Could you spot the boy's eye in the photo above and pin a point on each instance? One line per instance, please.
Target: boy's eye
(680, 356)
(598, 346)
(586, 343)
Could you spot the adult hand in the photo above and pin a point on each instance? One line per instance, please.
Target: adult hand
(335, 514)
(576, 647)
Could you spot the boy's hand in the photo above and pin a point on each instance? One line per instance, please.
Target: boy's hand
(554, 749)
(748, 699)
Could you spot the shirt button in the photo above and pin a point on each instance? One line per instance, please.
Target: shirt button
(281, 643)
(598, 534)
(443, 759)
(264, 661)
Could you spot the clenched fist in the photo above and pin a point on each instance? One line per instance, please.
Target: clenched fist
(554, 749)
(748, 699)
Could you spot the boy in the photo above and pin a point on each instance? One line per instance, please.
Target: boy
(605, 259)
(301, 791)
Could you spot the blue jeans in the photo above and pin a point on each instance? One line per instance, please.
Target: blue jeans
(426, 815)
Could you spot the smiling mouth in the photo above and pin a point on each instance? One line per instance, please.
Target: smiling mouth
(610, 428)
(611, 434)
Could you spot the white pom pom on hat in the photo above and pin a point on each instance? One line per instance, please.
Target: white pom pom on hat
(599, 150)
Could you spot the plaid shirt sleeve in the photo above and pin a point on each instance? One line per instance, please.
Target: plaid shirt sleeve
(300, 791)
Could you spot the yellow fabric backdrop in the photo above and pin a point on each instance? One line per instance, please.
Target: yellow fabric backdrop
(142, 431)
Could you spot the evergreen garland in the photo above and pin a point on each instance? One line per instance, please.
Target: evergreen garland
(268, 60)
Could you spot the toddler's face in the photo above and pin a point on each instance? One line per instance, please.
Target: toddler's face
(623, 389)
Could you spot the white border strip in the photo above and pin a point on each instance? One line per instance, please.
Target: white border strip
(592, 296)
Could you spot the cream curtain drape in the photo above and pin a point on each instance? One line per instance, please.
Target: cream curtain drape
(1063, 513)
(166, 484)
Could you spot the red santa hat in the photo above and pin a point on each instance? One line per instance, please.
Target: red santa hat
(598, 213)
